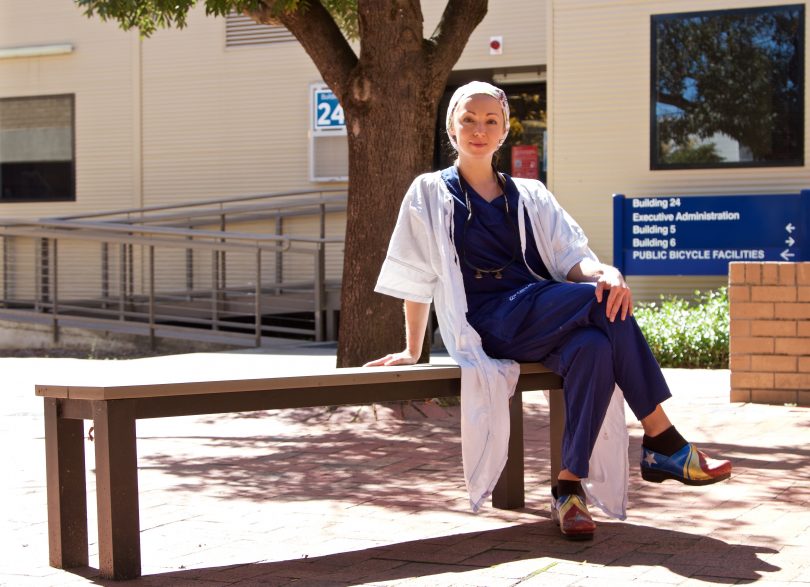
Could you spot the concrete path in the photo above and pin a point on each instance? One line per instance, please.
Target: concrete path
(375, 495)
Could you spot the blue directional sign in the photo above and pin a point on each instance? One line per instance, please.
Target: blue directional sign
(701, 235)
(328, 113)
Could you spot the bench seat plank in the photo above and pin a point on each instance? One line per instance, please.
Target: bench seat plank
(353, 376)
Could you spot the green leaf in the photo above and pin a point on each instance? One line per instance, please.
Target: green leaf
(150, 15)
(687, 333)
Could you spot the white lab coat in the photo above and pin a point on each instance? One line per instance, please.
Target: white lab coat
(422, 266)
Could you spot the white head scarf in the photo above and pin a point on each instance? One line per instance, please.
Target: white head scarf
(471, 89)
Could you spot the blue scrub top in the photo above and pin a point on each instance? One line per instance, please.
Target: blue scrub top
(489, 241)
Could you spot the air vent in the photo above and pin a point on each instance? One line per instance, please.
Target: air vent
(243, 31)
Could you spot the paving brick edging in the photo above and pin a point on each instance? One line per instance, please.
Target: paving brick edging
(769, 308)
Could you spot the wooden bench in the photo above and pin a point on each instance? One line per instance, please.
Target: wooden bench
(115, 409)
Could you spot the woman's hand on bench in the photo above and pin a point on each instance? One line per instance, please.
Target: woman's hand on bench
(402, 358)
(416, 318)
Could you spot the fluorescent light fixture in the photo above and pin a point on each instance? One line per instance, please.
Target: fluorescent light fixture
(519, 77)
(35, 51)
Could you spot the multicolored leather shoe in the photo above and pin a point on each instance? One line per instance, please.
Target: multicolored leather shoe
(689, 465)
(571, 514)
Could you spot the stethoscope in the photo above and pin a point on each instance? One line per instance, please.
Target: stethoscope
(480, 272)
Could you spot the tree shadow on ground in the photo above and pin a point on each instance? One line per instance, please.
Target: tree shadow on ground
(444, 560)
(396, 463)
(392, 463)
(399, 463)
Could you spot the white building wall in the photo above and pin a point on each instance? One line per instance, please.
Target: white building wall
(599, 118)
(180, 117)
(223, 121)
(521, 23)
(99, 72)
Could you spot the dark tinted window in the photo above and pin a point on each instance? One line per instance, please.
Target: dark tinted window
(728, 88)
(36, 149)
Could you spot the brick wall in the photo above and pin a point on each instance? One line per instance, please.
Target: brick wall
(770, 332)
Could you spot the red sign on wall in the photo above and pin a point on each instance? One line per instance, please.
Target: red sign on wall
(525, 161)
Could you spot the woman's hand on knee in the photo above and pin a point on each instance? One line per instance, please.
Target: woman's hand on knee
(619, 297)
(402, 358)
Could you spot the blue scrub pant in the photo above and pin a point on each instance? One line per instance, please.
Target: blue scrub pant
(562, 326)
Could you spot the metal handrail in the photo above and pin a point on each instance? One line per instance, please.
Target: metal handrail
(214, 201)
(256, 212)
(68, 229)
(130, 290)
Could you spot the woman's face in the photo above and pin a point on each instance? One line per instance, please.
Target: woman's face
(478, 126)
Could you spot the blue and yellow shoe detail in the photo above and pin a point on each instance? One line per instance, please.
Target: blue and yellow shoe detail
(689, 465)
(571, 514)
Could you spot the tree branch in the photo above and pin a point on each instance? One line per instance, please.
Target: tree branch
(458, 21)
(675, 100)
(320, 37)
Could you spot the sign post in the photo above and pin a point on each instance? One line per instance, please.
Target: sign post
(701, 235)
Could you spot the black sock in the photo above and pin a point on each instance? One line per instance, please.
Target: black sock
(667, 443)
(565, 487)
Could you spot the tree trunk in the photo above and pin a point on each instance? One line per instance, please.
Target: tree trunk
(389, 145)
(390, 95)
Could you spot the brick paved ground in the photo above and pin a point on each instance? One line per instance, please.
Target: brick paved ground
(374, 495)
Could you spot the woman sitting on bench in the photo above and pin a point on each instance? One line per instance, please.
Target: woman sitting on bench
(513, 279)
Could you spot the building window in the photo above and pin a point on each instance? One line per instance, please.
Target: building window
(728, 88)
(36, 149)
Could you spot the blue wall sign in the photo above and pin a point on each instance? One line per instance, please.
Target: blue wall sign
(328, 113)
(701, 235)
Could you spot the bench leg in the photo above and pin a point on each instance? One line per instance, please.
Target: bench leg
(509, 491)
(66, 488)
(556, 403)
(119, 542)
